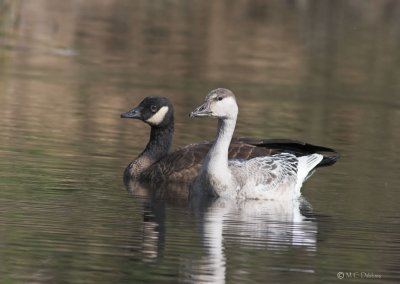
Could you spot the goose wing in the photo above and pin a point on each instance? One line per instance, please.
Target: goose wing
(268, 172)
(297, 148)
(181, 165)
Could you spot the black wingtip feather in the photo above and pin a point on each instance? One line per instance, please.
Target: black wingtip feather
(329, 159)
(300, 148)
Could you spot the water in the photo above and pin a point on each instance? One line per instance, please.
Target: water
(323, 72)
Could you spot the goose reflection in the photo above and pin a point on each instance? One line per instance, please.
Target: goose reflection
(270, 224)
(153, 198)
(251, 224)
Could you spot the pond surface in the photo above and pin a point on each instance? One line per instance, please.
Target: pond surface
(325, 72)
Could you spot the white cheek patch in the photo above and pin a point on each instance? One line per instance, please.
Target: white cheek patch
(159, 116)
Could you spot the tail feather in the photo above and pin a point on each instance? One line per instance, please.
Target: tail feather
(306, 165)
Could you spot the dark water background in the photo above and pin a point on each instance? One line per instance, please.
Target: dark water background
(326, 72)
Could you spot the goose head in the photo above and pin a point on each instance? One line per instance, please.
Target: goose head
(155, 111)
(219, 103)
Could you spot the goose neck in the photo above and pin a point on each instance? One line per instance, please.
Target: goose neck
(218, 154)
(226, 127)
(157, 147)
(159, 143)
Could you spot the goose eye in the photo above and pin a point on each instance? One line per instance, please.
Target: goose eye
(153, 108)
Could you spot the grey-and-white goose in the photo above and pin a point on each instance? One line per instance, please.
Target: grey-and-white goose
(276, 176)
(156, 164)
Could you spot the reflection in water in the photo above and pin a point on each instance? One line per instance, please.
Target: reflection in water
(268, 224)
(152, 199)
(170, 191)
(273, 225)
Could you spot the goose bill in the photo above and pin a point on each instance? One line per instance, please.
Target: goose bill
(203, 110)
(134, 113)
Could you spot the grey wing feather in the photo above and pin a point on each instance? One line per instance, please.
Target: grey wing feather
(270, 171)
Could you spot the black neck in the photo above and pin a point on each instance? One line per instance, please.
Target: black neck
(157, 147)
(160, 141)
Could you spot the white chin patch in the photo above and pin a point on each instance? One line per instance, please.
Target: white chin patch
(159, 116)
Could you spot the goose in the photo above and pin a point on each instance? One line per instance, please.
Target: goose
(276, 176)
(156, 164)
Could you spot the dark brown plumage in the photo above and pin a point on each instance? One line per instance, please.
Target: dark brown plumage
(155, 164)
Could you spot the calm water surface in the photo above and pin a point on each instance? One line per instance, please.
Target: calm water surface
(326, 72)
